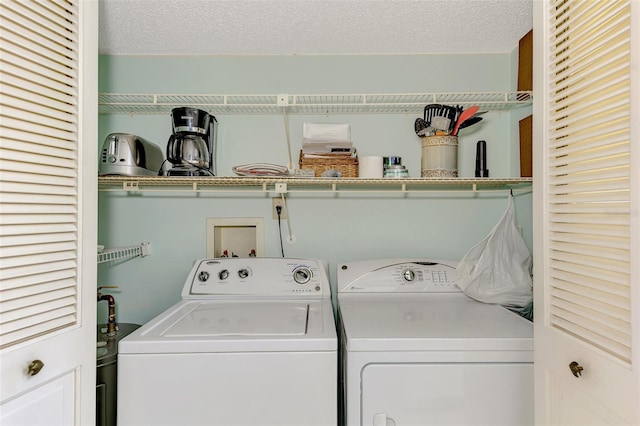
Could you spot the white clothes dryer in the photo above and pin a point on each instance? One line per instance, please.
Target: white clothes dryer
(252, 342)
(416, 351)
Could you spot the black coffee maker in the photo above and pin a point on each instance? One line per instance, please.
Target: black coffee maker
(192, 146)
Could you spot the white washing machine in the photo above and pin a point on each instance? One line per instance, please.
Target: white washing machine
(252, 342)
(418, 352)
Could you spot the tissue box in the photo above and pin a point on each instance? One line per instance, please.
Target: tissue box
(326, 137)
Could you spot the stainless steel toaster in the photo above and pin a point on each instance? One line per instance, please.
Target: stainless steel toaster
(129, 155)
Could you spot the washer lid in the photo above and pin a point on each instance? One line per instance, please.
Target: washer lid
(436, 322)
(247, 319)
(257, 325)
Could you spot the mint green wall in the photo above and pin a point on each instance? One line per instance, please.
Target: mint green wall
(305, 74)
(328, 226)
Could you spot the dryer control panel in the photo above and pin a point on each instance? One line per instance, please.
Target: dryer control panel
(398, 276)
(264, 277)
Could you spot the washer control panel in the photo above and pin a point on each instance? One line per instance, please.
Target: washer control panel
(257, 277)
(397, 276)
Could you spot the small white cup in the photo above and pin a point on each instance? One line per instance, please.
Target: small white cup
(370, 167)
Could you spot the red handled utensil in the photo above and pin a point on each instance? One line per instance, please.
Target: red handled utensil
(466, 114)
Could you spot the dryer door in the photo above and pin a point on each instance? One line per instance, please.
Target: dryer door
(447, 394)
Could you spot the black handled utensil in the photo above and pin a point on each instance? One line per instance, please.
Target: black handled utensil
(419, 125)
(430, 111)
(470, 122)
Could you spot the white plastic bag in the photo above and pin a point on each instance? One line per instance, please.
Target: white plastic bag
(498, 268)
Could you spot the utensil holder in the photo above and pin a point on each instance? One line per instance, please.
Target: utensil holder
(439, 156)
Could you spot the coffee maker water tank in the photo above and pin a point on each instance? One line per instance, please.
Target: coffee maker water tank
(190, 120)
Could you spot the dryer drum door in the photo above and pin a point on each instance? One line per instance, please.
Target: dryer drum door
(447, 394)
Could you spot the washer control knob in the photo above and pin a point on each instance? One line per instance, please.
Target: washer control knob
(302, 275)
(408, 275)
(243, 273)
(203, 276)
(224, 274)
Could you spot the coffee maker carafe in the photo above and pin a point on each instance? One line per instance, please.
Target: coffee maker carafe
(191, 148)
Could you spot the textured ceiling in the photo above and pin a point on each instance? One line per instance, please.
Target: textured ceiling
(311, 27)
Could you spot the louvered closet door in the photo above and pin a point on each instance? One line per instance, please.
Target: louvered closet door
(48, 151)
(39, 167)
(587, 189)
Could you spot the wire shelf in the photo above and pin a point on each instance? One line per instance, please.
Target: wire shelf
(295, 184)
(123, 253)
(390, 103)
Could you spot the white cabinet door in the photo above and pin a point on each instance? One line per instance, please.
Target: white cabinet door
(50, 403)
(48, 212)
(47, 398)
(586, 221)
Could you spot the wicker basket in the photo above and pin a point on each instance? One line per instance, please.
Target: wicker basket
(346, 164)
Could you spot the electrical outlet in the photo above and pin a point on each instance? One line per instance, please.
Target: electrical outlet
(277, 201)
